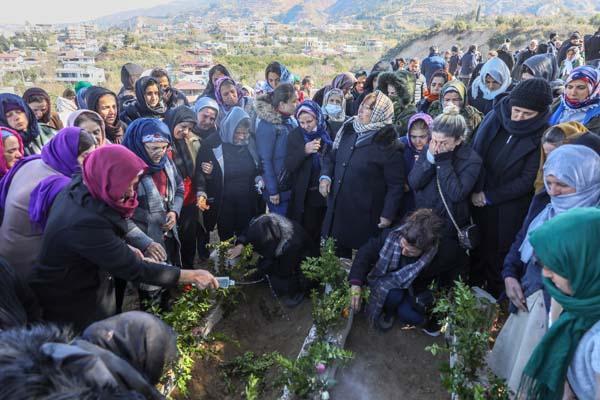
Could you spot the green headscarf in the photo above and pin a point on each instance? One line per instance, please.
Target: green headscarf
(568, 246)
(455, 86)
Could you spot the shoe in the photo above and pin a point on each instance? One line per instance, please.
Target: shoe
(292, 301)
(384, 323)
(432, 328)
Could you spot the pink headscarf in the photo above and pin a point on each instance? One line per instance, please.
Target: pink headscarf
(6, 132)
(107, 173)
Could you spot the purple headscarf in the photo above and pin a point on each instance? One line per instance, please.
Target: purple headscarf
(219, 98)
(61, 155)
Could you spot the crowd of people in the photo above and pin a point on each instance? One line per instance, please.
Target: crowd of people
(423, 171)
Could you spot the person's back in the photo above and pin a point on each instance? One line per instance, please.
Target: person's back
(592, 47)
(20, 241)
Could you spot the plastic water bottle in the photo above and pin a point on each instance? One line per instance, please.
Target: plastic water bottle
(225, 282)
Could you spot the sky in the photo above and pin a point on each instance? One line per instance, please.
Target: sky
(61, 11)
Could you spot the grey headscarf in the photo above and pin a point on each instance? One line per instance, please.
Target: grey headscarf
(577, 166)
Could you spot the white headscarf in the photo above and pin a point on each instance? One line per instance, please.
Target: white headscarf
(497, 69)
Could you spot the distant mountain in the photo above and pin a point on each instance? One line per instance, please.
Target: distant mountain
(416, 12)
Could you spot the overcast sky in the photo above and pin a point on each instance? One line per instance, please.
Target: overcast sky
(59, 11)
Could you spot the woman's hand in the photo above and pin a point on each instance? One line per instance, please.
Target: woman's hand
(274, 199)
(207, 167)
(355, 300)
(202, 279)
(515, 293)
(324, 187)
(138, 253)
(478, 199)
(202, 204)
(235, 252)
(312, 147)
(170, 221)
(384, 223)
(156, 252)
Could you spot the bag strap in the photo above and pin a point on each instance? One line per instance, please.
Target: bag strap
(437, 181)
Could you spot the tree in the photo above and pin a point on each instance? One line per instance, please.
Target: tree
(128, 40)
(4, 43)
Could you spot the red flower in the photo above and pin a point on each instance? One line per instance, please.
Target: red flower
(187, 287)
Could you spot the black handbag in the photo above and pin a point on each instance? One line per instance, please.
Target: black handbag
(469, 236)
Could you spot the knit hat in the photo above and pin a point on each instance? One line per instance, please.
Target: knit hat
(534, 94)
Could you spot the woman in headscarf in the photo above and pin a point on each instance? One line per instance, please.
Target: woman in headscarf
(539, 66)
(306, 147)
(226, 192)
(90, 122)
(16, 114)
(455, 92)
(186, 145)
(334, 111)
(556, 136)
(276, 74)
(228, 96)
(493, 80)
(39, 102)
(11, 149)
(130, 73)
(438, 80)
(83, 248)
(363, 176)
(370, 84)
(572, 61)
(563, 364)
(344, 81)
(214, 74)
(160, 194)
(28, 190)
(106, 104)
(275, 112)
(148, 101)
(571, 180)
(508, 142)
(400, 89)
(581, 99)
(65, 104)
(415, 141)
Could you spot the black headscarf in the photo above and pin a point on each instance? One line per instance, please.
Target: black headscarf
(129, 74)
(140, 90)
(141, 339)
(182, 156)
(210, 88)
(92, 96)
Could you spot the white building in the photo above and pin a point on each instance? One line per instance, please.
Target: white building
(72, 73)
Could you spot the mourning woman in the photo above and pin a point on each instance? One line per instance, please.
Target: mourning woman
(228, 96)
(83, 249)
(153, 225)
(39, 102)
(11, 149)
(148, 101)
(227, 170)
(27, 193)
(91, 121)
(106, 104)
(306, 147)
(16, 114)
(363, 176)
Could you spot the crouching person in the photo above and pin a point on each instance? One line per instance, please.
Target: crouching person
(397, 265)
(282, 245)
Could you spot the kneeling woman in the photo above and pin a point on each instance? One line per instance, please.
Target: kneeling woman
(391, 264)
(83, 249)
(227, 170)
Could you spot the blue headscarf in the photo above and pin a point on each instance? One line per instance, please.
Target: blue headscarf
(147, 130)
(285, 76)
(230, 124)
(33, 129)
(311, 107)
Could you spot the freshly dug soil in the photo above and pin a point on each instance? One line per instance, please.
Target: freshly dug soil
(258, 324)
(388, 366)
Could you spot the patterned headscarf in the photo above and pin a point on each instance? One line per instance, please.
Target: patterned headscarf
(382, 114)
(219, 98)
(591, 77)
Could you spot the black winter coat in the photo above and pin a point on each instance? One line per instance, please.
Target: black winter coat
(457, 172)
(367, 183)
(509, 169)
(212, 185)
(82, 252)
(300, 166)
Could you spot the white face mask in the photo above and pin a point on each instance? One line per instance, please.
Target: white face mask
(333, 109)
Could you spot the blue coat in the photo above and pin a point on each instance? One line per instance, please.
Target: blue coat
(271, 144)
(431, 64)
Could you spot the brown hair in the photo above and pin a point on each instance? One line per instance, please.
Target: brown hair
(422, 228)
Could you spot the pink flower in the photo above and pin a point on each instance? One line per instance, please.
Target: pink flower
(320, 367)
